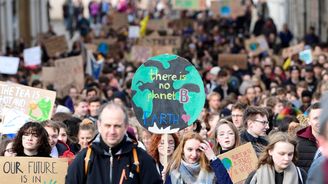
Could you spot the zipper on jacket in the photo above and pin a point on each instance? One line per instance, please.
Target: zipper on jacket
(111, 166)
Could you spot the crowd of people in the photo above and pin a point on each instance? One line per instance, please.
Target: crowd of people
(275, 108)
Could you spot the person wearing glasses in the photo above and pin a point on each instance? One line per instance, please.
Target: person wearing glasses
(237, 112)
(256, 124)
(6, 148)
(32, 141)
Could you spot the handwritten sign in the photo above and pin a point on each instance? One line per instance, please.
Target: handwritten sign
(17, 170)
(55, 45)
(119, 20)
(168, 94)
(292, 50)
(69, 72)
(158, 24)
(233, 59)
(36, 103)
(174, 41)
(239, 162)
(9, 65)
(32, 56)
(257, 45)
(227, 8)
(141, 53)
(189, 4)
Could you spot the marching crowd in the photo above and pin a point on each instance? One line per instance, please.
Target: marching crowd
(273, 105)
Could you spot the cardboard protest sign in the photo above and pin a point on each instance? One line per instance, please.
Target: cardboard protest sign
(9, 65)
(227, 8)
(39, 170)
(153, 40)
(48, 75)
(69, 71)
(292, 50)
(257, 45)
(189, 4)
(233, 59)
(36, 103)
(119, 20)
(141, 53)
(55, 44)
(167, 94)
(180, 24)
(12, 120)
(158, 24)
(134, 31)
(158, 50)
(109, 41)
(306, 56)
(91, 47)
(32, 56)
(239, 162)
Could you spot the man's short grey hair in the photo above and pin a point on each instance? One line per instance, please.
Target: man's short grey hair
(112, 105)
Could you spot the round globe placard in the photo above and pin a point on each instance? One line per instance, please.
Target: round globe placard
(167, 94)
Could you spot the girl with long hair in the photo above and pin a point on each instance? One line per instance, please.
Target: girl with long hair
(276, 164)
(195, 162)
(156, 149)
(226, 137)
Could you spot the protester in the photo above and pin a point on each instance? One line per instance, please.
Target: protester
(113, 154)
(226, 136)
(32, 141)
(237, 112)
(256, 124)
(6, 148)
(58, 148)
(86, 133)
(63, 133)
(307, 138)
(195, 162)
(276, 164)
(156, 149)
(317, 172)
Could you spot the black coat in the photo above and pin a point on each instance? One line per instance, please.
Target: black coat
(257, 143)
(306, 148)
(99, 165)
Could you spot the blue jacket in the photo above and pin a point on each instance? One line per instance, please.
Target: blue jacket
(221, 174)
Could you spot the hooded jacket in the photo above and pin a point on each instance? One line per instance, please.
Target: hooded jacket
(113, 165)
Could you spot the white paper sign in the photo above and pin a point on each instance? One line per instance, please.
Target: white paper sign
(134, 31)
(9, 65)
(306, 56)
(13, 120)
(32, 56)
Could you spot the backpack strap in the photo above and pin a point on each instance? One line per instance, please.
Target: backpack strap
(299, 174)
(86, 160)
(135, 159)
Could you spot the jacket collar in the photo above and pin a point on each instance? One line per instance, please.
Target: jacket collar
(306, 133)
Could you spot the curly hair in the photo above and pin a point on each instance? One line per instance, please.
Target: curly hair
(44, 148)
(155, 140)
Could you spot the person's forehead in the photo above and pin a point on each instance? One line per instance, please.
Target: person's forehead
(112, 114)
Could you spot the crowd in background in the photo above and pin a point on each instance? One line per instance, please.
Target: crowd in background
(276, 108)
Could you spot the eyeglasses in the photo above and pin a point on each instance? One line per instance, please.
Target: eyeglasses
(9, 150)
(263, 122)
(237, 115)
